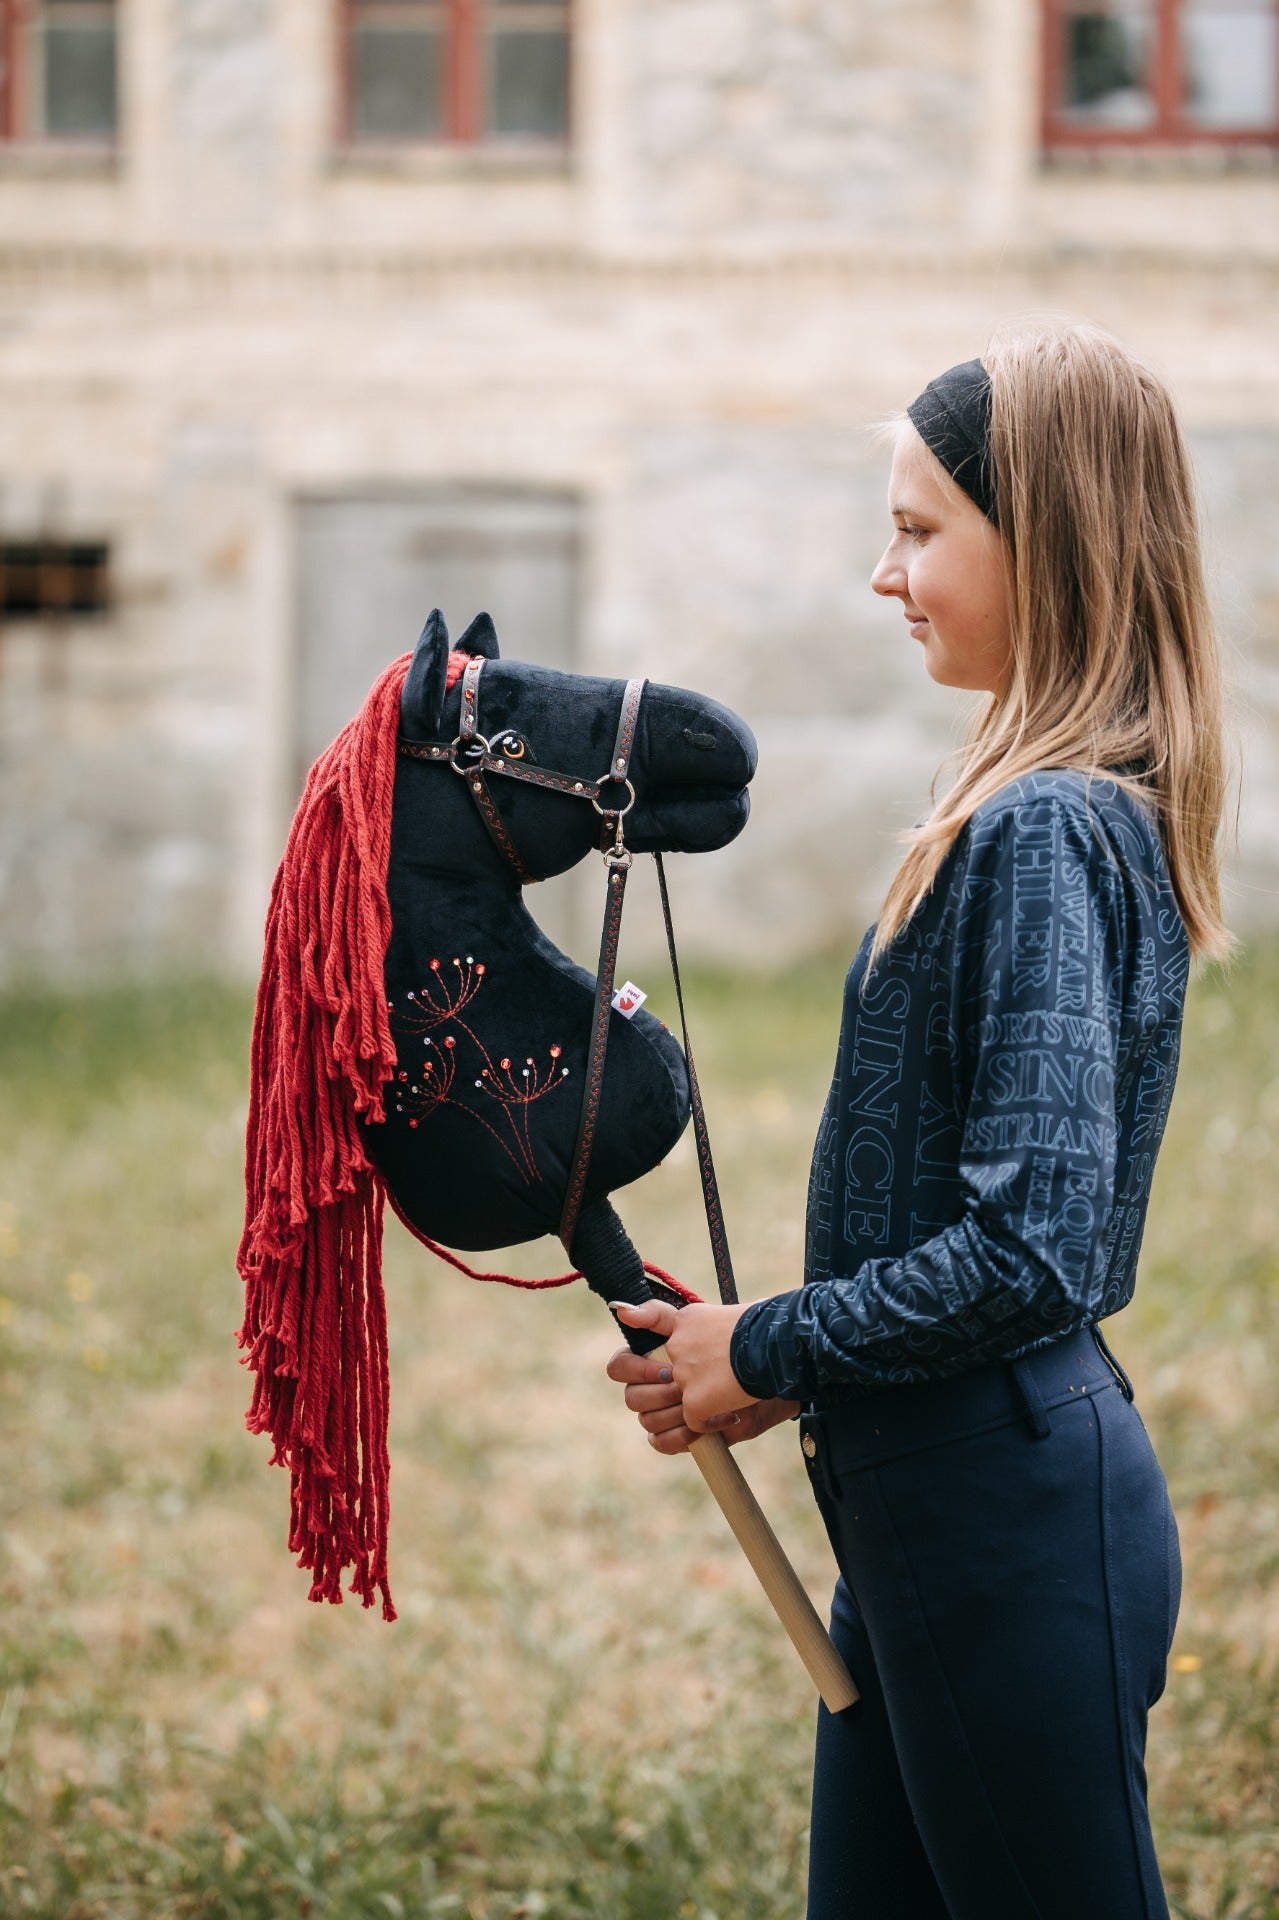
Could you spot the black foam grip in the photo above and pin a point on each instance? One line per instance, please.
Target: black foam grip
(605, 1255)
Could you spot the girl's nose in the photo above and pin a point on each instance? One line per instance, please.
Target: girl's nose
(889, 576)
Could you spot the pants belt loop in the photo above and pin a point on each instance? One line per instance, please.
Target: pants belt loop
(1033, 1400)
(1125, 1384)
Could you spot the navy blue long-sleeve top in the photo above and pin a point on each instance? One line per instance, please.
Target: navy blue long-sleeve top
(982, 1170)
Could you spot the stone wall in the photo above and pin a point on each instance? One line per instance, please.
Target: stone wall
(799, 118)
(780, 217)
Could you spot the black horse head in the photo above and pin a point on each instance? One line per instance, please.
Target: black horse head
(691, 764)
(491, 1020)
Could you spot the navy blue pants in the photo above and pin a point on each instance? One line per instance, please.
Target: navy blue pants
(1010, 1577)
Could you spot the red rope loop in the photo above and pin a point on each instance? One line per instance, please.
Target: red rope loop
(659, 1274)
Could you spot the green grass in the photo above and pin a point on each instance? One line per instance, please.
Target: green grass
(585, 1709)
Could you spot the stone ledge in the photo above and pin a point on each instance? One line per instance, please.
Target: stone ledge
(1196, 160)
(58, 263)
(48, 160)
(415, 163)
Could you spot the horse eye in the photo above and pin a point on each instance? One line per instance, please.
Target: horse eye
(513, 746)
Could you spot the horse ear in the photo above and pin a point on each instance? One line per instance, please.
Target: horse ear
(480, 637)
(422, 701)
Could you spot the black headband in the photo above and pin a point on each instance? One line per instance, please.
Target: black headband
(952, 418)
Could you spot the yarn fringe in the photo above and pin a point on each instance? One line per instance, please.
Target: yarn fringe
(314, 1331)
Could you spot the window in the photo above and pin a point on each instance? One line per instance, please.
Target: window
(58, 71)
(1167, 72)
(457, 71)
(53, 579)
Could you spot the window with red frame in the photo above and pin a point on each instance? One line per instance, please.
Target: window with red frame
(1167, 72)
(58, 71)
(461, 71)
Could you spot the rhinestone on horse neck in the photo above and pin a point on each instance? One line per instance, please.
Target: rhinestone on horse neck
(492, 1023)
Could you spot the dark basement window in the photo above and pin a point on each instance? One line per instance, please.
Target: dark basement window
(54, 579)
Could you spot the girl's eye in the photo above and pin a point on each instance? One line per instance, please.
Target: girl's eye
(912, 532)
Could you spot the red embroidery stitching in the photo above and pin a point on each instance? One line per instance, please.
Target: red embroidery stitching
(514, 1089)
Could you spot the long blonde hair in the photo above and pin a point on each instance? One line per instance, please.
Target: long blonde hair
(1114, 658)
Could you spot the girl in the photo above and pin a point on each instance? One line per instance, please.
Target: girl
(1009, 1567)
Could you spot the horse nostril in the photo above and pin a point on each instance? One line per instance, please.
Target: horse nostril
(706, 741)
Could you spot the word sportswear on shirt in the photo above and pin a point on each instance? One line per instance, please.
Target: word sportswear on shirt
(983, 1166)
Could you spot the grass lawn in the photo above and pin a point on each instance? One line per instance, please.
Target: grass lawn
(586, 1707)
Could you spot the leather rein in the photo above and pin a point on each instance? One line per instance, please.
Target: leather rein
(474, 758)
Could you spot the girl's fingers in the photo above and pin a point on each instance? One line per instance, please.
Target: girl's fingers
(759, 1418)
(663, 1419)
(750, 1422)
(650, 1399)
(656, 1315)
(636, 1368)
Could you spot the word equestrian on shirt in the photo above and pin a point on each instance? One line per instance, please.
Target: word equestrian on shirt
(998, 1132)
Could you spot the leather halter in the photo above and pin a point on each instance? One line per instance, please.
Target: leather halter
(474, 757)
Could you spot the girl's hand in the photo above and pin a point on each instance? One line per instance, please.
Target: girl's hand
(693, 1389)
(661, 1410)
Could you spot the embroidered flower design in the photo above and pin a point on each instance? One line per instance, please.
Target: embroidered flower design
(513, 1087)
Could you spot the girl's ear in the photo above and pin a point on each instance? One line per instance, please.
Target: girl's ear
(480, 637)
(422, 701)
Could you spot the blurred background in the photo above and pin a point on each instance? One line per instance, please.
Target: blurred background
(315, 314)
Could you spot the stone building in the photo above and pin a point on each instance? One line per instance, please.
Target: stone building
(317, 313)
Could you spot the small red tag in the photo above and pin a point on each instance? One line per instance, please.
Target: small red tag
(629, 999)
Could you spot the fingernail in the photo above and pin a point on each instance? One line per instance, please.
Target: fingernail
(665, 1375)
(618, 1306)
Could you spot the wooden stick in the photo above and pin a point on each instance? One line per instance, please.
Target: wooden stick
(773, 1570)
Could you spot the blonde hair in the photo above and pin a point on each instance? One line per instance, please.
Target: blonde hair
(1114, 657)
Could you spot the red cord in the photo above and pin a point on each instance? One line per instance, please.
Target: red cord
(513, 1280)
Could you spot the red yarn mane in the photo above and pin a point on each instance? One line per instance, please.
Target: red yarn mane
(311, 1253)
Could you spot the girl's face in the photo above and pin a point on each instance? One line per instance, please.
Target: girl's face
(948, 566)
